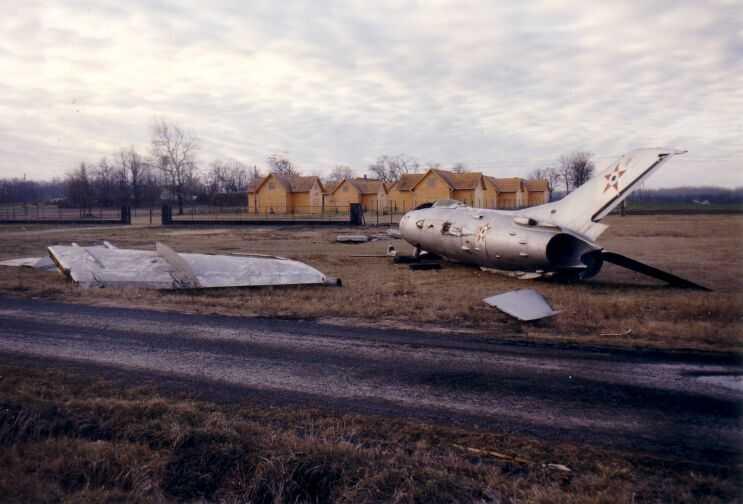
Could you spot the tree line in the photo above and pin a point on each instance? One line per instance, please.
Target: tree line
(571, 171)
(170, 172)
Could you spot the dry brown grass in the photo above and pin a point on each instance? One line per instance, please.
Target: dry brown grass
(706, 249)
(66, 437)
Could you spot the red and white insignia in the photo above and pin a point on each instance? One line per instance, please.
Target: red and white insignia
(612, 178)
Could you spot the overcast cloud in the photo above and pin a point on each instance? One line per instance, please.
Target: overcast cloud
(503, 87)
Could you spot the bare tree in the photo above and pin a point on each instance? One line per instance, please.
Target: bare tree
(340, 172)
(575, 169)
(227, 177)
(133, 167)
(175, 150)
(151, 187)
(103, 183)
(538, 174)
(459, 168)
(390, 168)
(281, 165)
(551, 175)
(254, 175)
(78, 189)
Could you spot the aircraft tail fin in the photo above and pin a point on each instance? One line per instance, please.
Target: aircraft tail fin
(582, 209)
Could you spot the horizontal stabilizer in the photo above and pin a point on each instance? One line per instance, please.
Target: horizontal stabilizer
(524, 304)
(650, 271)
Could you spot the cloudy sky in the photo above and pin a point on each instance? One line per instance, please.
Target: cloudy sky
(501, 86)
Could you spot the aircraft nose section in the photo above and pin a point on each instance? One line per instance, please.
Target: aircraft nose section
(411, 226)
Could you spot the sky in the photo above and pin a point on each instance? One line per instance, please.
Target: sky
(504, 87)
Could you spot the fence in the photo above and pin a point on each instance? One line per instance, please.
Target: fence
(48, 214)
(225, 215)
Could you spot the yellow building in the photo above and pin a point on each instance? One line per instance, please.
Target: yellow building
(414, 189)
(279, 194)
(401, 197)
(506, 193)
(441, 184)
(371, 193)
(538, 192)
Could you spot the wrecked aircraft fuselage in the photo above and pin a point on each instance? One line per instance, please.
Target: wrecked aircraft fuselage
(556, 238)
(494, 240)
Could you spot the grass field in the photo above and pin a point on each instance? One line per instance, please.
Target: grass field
(705, 249)
(67, 437)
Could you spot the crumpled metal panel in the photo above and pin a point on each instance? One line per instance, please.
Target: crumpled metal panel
(101, 266)
(239, 271)
(42, 263)
(524, 304)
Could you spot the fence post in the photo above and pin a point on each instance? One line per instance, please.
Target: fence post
(357, 214)
(166, 217)
(126, 215)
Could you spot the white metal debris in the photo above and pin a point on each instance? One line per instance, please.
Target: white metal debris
(523, 304)
(163, 268)
(42, 263)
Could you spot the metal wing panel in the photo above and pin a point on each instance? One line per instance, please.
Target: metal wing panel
(104, 266)
(236, 271)
(524, 304)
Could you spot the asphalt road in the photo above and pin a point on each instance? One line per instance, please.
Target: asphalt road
(680, 405)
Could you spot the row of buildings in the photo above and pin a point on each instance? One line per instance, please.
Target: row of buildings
(308, 195)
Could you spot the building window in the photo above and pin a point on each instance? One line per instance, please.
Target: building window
(345, 188)
(431, 182)
(271, 186)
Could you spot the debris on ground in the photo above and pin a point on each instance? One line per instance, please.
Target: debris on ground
(404, 259)
(523, 304)
(494, 454)
(352, 238)
(108, 266)
(425, 265)
(558, 467)
(42, 263)
(626, 332)
(391, 234)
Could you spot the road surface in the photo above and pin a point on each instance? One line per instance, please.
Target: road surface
(679, 405)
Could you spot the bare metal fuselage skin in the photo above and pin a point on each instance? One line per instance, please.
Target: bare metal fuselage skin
(557, 237)
(496, 239)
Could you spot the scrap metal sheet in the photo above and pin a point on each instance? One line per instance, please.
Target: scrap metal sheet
(524, 304)
(102, 266)
(42, 263)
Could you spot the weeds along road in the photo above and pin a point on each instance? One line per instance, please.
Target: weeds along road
(668, 405)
